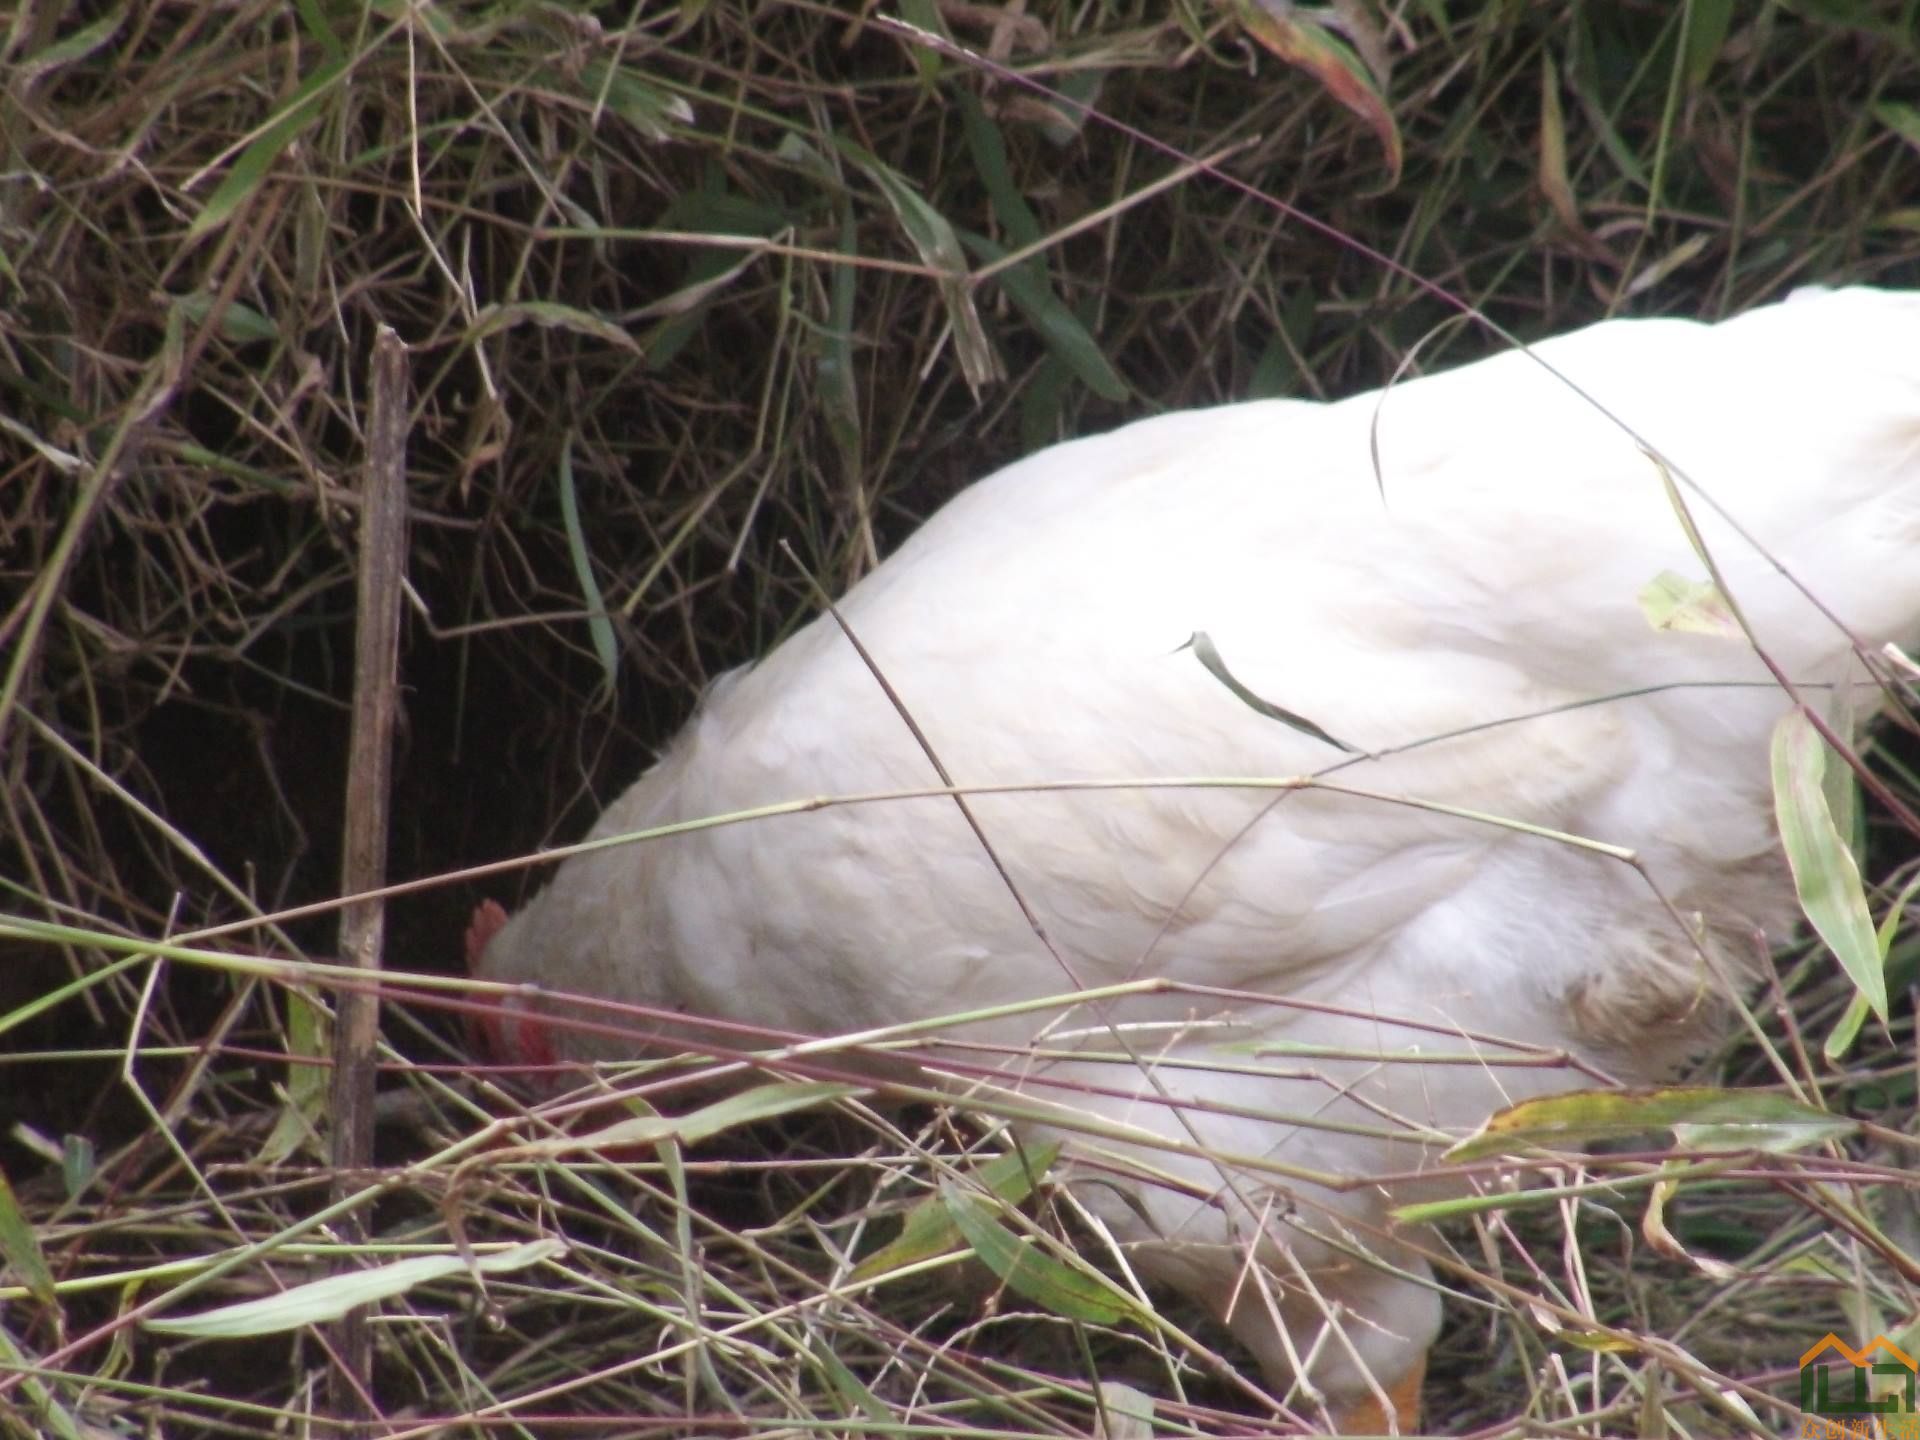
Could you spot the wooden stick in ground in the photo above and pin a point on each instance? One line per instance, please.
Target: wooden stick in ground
(383, 548)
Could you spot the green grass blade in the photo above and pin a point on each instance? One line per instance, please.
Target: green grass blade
(257, 160)
(599, 626)
(319, 1301)
(1031, 1273)
(1824, 872)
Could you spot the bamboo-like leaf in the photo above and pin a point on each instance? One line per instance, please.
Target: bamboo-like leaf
(43, 1403)
(708, 279)
(308, 1049)
(494, 318)
(319, 28)
(1684, 514)
(79, 1165)
(1030, 1272)
(651, 110)
(749, 1107)
(1125, 1413)
(1277, 372)
(988, 148)
(1838, 783)
(1552, 168)
(1032, 295)
(761, 1102)
(933, 238)
(1203, 648)
(1707, 23)
(73, 45)
(839, 384)
(1824, 873)
(1693, 607)
(839, 389)
(1555, 183)
(851, 1388)
(1594, 94)
(1596, 1342)
(930, 1230)
(1890, 925)
(1028, 284)
(925, 15)
(321, 1301)
(1653, 1225)
(1680, 256)
(256, 161)
(1306, 44)
(1704, 1117)
(1903, 120)
(599, 626)
(1847, 1028)
(708, 210)
(239, 322)
(1864, 17)
(20, 1248)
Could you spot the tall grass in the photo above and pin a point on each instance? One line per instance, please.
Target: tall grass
(679, 284)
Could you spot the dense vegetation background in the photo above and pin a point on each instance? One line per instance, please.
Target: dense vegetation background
(679, 283)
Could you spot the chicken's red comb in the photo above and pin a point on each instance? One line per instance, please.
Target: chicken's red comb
(505, 1032)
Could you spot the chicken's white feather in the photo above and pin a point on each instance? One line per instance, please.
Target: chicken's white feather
(1467, 614)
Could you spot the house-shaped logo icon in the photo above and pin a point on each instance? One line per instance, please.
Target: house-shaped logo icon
(1878, 1357)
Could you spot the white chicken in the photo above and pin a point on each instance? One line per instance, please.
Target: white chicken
(1466, 616)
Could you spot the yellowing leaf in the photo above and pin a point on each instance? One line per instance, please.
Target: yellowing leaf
(1653, 1225)
(1690, 607)
(1555, 183)
(1701, 1116)
(1306, 44)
